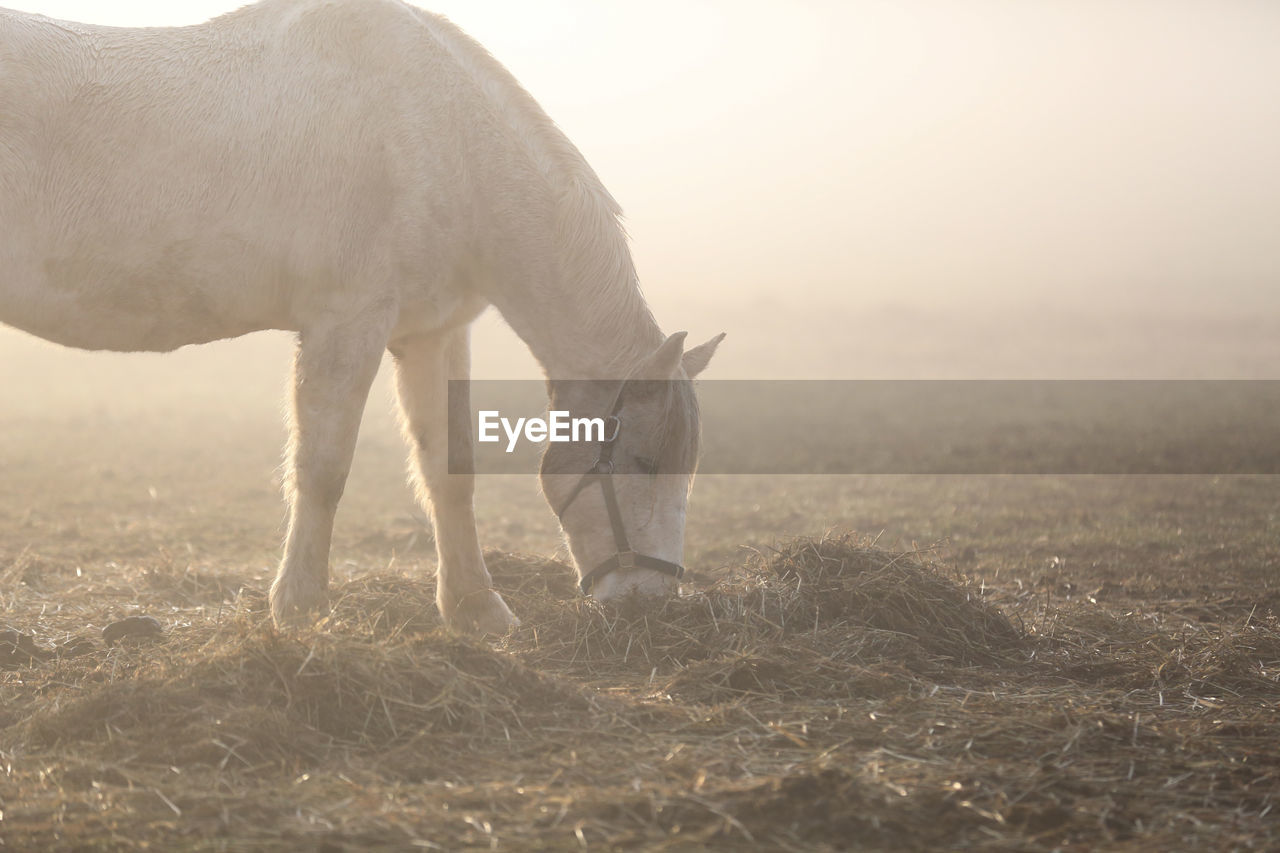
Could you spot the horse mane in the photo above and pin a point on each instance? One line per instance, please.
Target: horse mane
(589, 232)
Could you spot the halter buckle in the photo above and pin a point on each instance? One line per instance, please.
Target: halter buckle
(626, 559)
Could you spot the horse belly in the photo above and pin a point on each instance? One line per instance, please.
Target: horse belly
(132, 294)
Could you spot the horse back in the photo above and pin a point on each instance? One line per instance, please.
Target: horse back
(166, 186)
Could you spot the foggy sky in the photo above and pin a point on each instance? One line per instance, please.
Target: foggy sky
(911, 151)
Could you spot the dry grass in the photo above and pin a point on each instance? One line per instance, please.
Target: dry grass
(826, 694)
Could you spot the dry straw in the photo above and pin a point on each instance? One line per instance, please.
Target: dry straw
(824, 695)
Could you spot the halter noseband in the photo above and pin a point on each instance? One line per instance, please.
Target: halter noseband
(602, 472)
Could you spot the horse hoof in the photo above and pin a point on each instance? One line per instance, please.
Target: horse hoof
(485, 614)
(292, 607)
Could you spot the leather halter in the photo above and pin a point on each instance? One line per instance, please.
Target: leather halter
(602, 472)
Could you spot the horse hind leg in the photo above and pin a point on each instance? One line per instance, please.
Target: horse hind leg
(424, 365)
(333, 370)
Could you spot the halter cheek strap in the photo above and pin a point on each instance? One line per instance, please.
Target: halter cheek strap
(602, 472)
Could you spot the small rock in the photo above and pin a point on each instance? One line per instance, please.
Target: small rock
(134, 626)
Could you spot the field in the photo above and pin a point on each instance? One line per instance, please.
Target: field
(868, 662)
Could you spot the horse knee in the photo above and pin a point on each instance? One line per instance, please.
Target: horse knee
(321, 487)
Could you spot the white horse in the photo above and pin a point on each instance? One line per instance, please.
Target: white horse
(362, 173)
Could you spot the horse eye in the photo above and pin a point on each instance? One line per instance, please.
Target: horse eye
(647, 465)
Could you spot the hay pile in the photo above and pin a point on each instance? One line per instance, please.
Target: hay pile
(275, 696)
(811, 615)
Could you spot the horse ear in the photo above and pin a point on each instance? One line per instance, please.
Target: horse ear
(665, 359)
(695, 360)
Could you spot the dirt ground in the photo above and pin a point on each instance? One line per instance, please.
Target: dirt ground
(866, 662)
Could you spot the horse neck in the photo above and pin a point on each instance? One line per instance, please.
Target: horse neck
(555, 254)
(581, 311)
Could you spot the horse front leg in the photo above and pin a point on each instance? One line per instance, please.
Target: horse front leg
(424, 366)
(332, 372)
